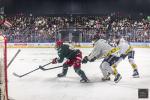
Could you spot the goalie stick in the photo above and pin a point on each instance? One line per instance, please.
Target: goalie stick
(17, 75)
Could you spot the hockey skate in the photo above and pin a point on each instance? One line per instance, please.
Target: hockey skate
(84, 81)
(64, 72)
(135, 74)
(61, 75)
(117, 78)
(107, 78)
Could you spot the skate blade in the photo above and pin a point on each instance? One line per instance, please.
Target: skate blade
(137, 76)
(85, 81)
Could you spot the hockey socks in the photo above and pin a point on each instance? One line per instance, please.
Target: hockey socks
(134, 66)
(135, 71)
(114, 70)
(64, 72)
(82, 75)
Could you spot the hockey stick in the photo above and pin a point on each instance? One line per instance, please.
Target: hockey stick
(17, 75)
(44, 69)
(13, 58)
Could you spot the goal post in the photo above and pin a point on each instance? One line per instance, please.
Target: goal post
(3, 69)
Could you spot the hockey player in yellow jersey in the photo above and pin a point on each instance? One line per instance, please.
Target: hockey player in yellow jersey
(126, 50)
(103, 50)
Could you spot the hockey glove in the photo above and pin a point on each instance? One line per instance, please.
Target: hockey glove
(85, 59)
(123, 56)
(93, 59)
(54, 61)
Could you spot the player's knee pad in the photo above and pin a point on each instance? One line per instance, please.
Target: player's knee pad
(104, 65)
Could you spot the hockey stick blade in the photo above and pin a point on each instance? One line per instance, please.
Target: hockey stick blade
(29, 71)
(44, 69)
(18, 75)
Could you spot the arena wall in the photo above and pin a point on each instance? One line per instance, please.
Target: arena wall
(79, 45)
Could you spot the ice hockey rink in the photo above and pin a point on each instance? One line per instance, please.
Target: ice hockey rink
(44, 85)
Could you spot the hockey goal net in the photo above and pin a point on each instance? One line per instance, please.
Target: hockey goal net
(3, 68)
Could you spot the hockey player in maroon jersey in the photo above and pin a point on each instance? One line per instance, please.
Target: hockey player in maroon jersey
(74, 58)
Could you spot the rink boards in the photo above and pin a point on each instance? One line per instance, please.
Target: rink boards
(79, 45)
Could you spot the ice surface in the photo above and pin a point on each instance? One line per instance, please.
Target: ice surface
(44, 85)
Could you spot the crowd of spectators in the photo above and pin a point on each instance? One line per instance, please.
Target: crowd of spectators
(47, 28)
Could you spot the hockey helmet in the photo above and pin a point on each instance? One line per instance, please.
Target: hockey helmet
(122, 40)
(59, 43)
(96, 37)
(119, 39)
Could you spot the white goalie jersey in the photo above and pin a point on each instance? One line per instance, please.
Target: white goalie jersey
(101, 48)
